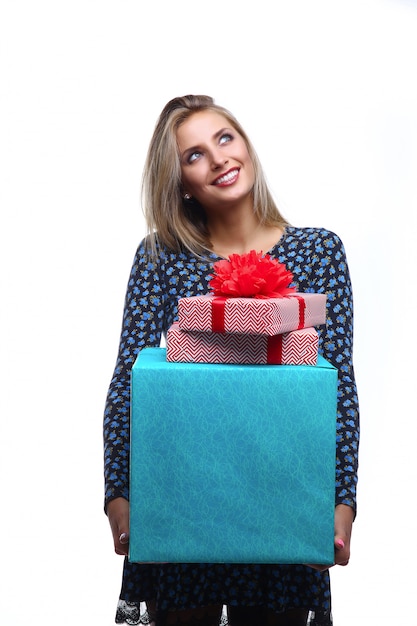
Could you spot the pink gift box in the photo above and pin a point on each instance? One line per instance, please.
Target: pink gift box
(298, 347)
(269, 316)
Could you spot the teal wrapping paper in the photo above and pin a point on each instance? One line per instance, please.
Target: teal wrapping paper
(232, 463)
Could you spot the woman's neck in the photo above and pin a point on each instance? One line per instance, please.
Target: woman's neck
(234, 235)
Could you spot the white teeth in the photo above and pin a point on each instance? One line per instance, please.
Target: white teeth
(227, 177)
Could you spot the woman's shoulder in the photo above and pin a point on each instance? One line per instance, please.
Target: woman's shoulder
(313, 238)
(310, 245)
(151, 249)
(155, 253)
(310, 233)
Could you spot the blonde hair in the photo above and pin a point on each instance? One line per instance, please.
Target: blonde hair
(172, 221)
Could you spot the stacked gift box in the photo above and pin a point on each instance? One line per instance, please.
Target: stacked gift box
(275, 325)
(214, 329)
(233, 435)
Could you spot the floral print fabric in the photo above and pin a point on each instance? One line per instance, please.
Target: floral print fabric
(317, 259)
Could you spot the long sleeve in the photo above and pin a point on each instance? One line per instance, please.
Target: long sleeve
(143, 323)
(336, 345)
(318, 261)
(150, 307)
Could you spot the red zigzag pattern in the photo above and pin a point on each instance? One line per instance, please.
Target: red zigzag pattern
(299, 347)
(269, 317)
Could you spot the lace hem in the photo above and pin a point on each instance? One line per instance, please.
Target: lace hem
(129, 613)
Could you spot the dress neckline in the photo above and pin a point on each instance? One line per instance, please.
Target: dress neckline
(271, 249)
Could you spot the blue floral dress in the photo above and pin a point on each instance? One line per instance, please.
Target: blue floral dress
(317, 259)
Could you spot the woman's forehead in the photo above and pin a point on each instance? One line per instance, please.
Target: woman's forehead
(201, 125)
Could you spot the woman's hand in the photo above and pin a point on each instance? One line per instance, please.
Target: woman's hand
(343, 520)
(118, 514)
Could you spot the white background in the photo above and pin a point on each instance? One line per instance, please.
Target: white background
(327, 91)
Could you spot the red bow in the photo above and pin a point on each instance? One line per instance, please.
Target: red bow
(251, 275)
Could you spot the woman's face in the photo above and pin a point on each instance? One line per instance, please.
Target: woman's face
(215, 163)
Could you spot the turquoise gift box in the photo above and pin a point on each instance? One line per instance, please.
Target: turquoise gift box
(232, 463)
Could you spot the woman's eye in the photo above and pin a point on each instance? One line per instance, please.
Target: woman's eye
(194, 156)
(225, 138)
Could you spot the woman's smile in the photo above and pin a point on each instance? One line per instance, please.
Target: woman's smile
(228, 178)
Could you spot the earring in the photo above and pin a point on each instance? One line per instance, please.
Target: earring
(187, 196)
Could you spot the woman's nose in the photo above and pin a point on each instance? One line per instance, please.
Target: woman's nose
(218, 159)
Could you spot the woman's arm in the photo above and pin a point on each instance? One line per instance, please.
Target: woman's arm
(336, 345)
(317, 259)
(143, 320)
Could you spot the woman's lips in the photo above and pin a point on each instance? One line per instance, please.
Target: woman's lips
(228, 178)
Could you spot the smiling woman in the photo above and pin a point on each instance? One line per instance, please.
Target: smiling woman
(218, 170)
(205, 197)
(191, 135)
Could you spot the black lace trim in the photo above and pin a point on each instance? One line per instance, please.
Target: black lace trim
(129, 613)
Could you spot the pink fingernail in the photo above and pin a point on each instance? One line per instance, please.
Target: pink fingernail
(123, 538)
(340, 543)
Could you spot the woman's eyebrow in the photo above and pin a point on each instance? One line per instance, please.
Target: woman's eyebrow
(216, 135)
(220, 132)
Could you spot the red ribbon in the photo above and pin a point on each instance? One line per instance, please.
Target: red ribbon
(301, 311)
(217, 314)
(218, 309)
(274, 350)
